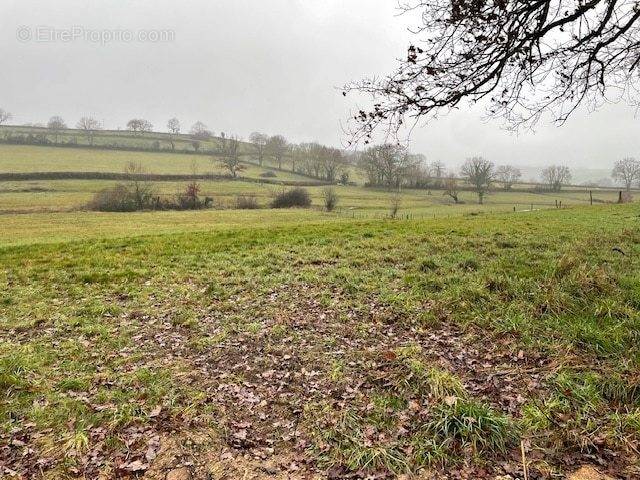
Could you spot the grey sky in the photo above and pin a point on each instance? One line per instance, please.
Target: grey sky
(267, 65)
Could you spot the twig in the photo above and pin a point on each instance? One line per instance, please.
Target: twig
(524, 461)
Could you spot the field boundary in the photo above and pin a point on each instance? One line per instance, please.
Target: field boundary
(149, 177)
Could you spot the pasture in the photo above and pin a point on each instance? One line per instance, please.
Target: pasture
(29, 159)
(40, 196)
(330, 344)
(314, 344)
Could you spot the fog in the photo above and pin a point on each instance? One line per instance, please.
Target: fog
(242, 65)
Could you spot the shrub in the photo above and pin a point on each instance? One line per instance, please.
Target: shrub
(268, 174)
(190, 199)
(330, 199)
(247, 202)
(297, 197)
(128, 198)
(625, 197)
(116, 199)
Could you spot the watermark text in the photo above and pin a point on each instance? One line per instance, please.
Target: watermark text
(104, 36)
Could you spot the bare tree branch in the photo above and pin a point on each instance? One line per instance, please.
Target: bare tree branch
(524, 58)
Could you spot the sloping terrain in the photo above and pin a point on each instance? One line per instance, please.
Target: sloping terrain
(441, 348)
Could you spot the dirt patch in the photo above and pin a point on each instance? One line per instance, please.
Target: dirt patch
(197, 456)
(588, 473)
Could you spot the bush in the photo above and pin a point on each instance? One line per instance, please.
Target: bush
(330, 199)
(268, 174)
(135, 196)
(190, 199)
(116, 199)
(298, 197)
(247, 202)
(625, 197)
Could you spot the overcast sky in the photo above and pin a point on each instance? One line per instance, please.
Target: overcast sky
(243, 65)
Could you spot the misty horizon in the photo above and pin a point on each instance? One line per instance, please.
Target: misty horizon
(278, 69)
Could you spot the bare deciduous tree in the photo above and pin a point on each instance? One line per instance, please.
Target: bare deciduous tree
(523, 58)
(396, 203)
(200, 131)
(139, 125)
(230, 155)
(173, 126)
(479, 172)
(298, 157)
(332, 161)
(141, 190)
(418, 173)
(369, 162)
(278, 147)
(437, 168)
(89, 126)
(626, 171)
(56, 125)
(259, 141)
(388, 165)
(508, 175)
(556, 176)
(451, 188)
(4, 116)
(314, 155)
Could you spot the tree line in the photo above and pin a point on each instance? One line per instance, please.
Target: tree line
(388, 165)
(311, 159)
(392, 166)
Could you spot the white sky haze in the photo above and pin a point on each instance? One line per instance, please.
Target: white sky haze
(270, 65)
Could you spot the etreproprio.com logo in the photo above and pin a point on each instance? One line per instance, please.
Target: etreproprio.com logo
(78, 33)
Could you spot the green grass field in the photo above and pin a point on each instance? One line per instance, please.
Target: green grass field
(301, 343)
(112, 138)
(28, 159)
(64, 195)
(32, 196)
(37, 196)
(329, 343)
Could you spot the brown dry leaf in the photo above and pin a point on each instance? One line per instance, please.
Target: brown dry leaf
(136, 466)
(588, 473)
(390, 355)
(155, 412)
(451, 400)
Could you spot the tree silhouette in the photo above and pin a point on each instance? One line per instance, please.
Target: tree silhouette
(524, 58)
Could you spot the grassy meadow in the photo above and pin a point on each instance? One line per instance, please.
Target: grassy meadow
(340, 345)
(29, 159)
(464, 340)
(42, 196)
(113, 138)
(64, 195)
